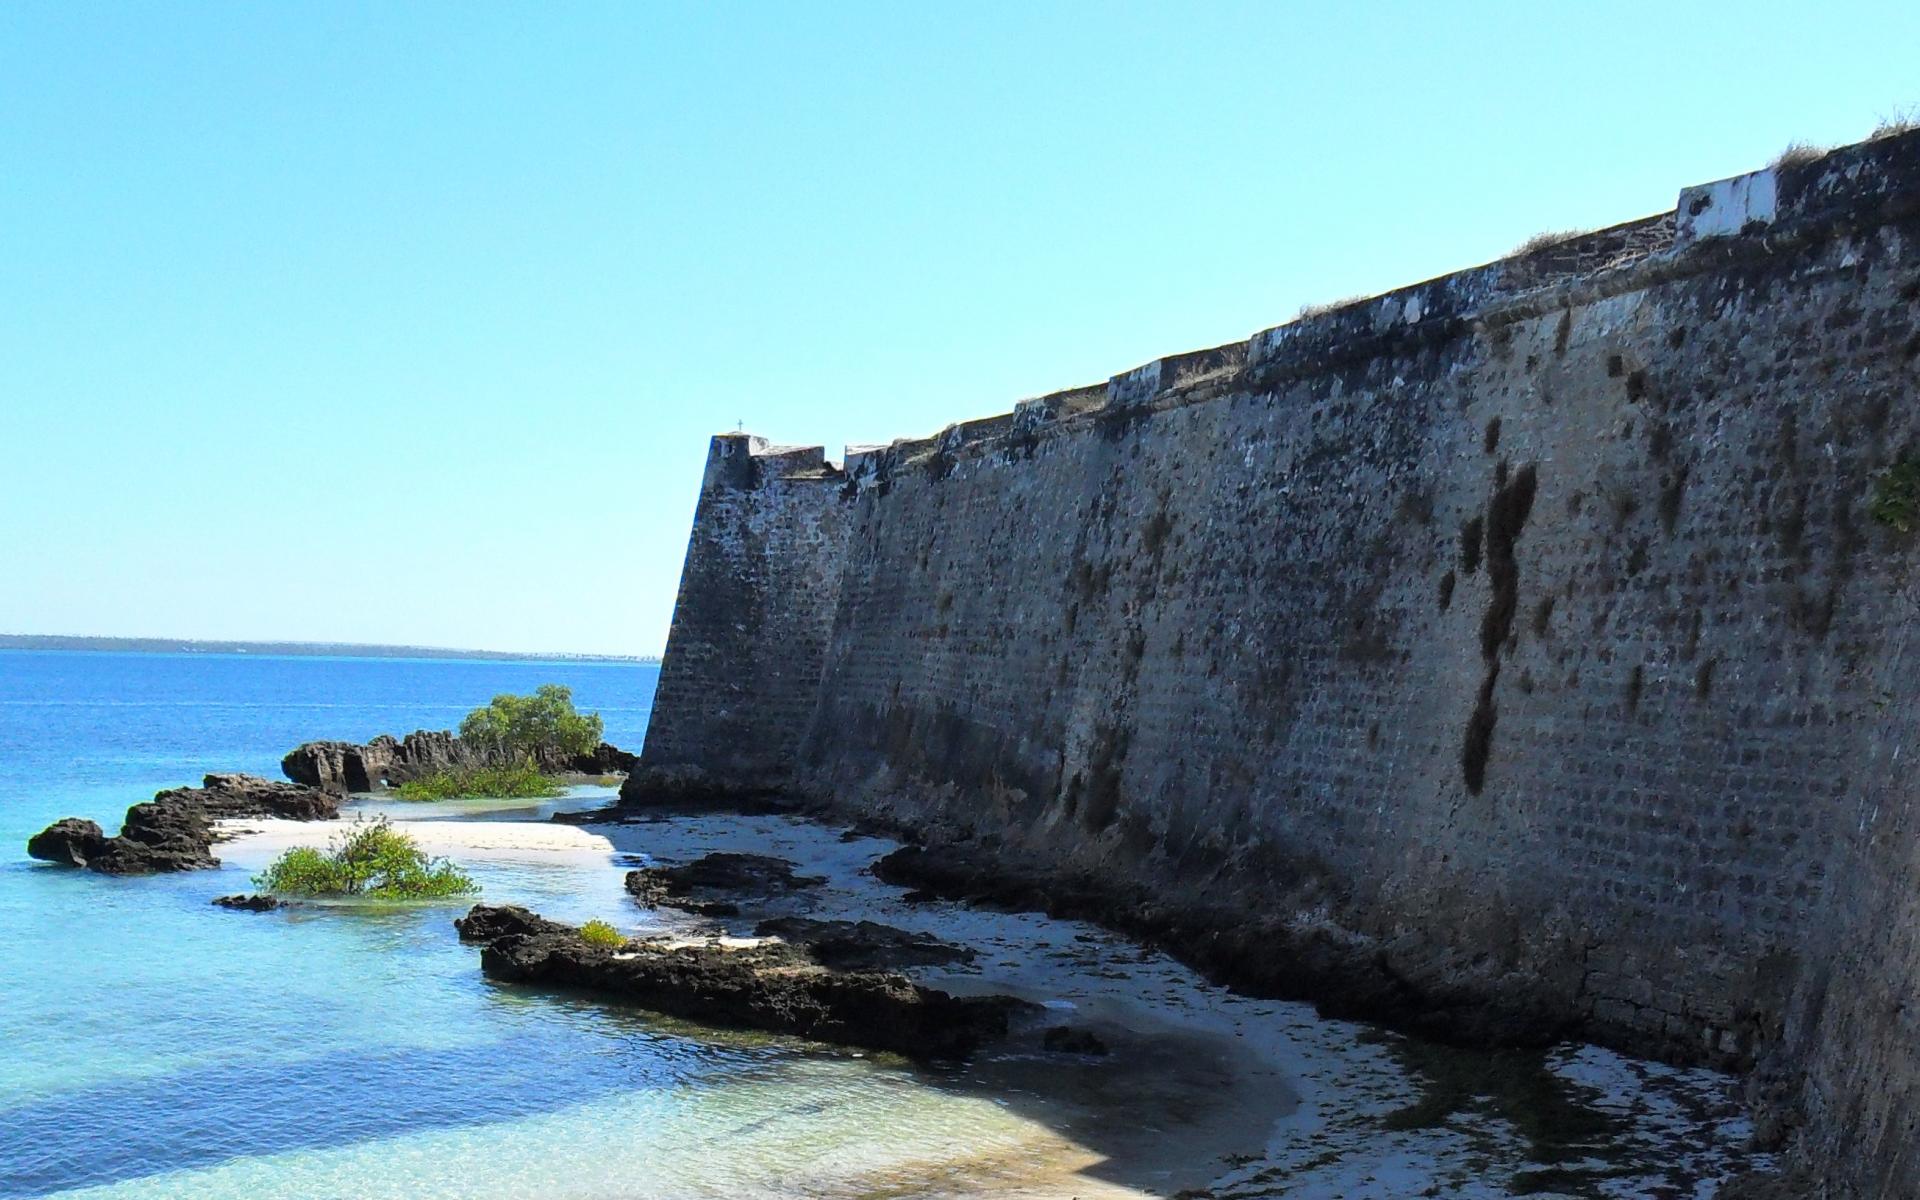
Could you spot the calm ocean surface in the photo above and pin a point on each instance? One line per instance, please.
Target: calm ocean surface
(153, 1045)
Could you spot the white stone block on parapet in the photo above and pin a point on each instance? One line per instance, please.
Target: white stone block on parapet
(1135, 386)
(1727, 206)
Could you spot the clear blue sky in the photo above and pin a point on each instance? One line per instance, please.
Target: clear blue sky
(409, 322)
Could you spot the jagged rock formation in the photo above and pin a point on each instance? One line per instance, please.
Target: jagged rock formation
(715, 884)
(1526, 648)
(249, 902)
(171, 832)
(230, 796)
(774, 985)
(343, 767)
(864, 945)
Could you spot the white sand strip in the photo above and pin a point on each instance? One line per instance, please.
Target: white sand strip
(257, 842)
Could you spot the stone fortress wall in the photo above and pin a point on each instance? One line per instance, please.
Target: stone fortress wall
(1515, 649)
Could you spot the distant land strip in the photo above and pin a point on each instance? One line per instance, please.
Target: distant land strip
(149, 645)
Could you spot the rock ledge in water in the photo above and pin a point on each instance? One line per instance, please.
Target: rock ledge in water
(777, 986)
(864, 945)
(714, 884)
(343, 767)
(250, 903)
(172, 831)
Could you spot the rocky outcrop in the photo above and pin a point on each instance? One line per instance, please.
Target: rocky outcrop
(173, 831)
(714, 885)
(70, 841)
(681, 788)
(1345, 975)
(864, 945)
(244, 902)
(778, 986)
(604, 759)
(343, 767)
(158, 835)
(227, 797)
(1069, 1039)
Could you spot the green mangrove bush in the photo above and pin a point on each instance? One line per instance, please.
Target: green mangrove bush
(518, 781)
(371, 859)
(525, 727)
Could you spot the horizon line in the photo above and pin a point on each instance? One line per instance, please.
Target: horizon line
(296, 646)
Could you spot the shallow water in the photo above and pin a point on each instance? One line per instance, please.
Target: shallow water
(153, 1045)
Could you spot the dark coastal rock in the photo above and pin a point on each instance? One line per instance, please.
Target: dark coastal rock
(158, 835)
(1767, 1185)
(1067, 1039)
(342, 767)
(71, 842)
(604, 759)
(487, 922)
(692, 789)
(713, 885)
(864, 945)
(249, 903)
(774, 985)
(226, 797)
(961, 873)
(173, 831)
(339, 767)
(167, 833)
(1408, 983)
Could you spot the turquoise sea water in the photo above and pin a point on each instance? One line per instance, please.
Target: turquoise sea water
(153, 1045)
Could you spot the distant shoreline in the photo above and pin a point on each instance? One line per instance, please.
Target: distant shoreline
(149, 645)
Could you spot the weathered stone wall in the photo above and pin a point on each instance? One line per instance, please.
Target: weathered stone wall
(1523, 635)
(758, 592)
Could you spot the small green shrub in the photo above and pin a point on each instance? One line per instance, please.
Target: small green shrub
(370, 859)
(599, 933)
(521, 781)
(1896, 496)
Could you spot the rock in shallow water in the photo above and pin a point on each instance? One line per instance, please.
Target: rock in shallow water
(70, 841)
(1405, 982)
(1066, 1039)
(250, 903)
(342, 767)
(777, 986)
(864, 945)
(224, 797)
(171, 832)
(714, 885)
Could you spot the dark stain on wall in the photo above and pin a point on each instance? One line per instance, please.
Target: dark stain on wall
(1470, 540)
(1507, 515)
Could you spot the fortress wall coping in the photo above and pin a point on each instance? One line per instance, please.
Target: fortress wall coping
(1712, 224)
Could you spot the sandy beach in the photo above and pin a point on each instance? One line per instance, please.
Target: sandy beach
(1203, 1089)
